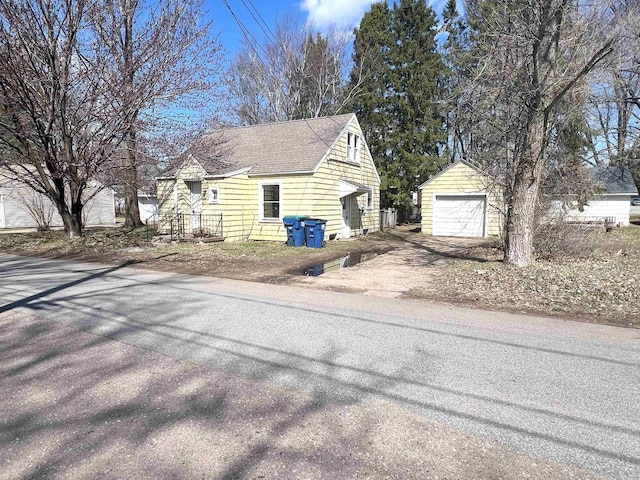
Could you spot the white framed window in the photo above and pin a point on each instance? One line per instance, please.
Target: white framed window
(369, 198)
(271, 201)
(353, 147)
(213, 195)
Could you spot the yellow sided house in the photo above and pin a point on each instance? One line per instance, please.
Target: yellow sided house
(242, 187)
(462, 201)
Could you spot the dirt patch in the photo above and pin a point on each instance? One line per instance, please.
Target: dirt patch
(603, 288)
(269, 262)
(411, 264)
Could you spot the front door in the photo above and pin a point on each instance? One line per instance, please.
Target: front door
(346, 217)
(195, 201)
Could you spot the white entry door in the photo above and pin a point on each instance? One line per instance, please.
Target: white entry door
(195, 200)
(459, 215)
(346, 217)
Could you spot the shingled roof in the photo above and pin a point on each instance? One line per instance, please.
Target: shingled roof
(272, 148)
(614, 180)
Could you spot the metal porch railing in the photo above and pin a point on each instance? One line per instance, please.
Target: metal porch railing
(194, 225)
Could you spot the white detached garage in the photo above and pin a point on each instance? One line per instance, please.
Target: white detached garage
(461, 201)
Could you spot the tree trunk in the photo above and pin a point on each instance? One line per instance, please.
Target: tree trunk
(521, 209)
(72, 223)
(71, 218)
(131, 209)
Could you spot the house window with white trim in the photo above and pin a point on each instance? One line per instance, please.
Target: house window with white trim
(213, 195)
(270, 201)
(369, 198)
(353, 146)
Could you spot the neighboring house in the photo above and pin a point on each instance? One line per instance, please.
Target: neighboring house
(147, 204)
(148, 207)
(461, 201)
(318, 167)
(615, 187)
(21, 207)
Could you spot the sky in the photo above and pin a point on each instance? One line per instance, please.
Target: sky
(325, 14)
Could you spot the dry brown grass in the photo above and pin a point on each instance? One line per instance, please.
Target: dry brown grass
(604, 287)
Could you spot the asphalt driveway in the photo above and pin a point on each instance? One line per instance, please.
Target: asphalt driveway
(557, 392)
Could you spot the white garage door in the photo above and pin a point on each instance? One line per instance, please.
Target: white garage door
(459, 216)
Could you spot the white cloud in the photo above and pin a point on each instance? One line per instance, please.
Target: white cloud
(335, 13)
(326, 14)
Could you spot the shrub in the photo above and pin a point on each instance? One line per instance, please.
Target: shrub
(201, 232)
(556, 238)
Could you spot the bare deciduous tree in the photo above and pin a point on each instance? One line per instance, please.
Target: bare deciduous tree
(166, 63)
(38, 208)
(530, 56)
(58, 125)
(298, 73)
(82, 83)
(614, 103)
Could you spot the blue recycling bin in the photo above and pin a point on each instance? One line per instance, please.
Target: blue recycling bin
(295, 229)
(314, 232)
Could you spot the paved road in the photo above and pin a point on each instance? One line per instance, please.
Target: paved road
(562, 390)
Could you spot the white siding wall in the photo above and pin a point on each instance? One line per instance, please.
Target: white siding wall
(617, 206)
(148, 207)
(100, 210)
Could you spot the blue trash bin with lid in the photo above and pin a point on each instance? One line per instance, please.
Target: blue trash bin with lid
(295, 229)
(314, 232)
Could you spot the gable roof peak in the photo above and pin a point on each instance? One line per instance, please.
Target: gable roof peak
(450, 166)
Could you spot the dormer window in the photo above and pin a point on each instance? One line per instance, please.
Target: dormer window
(353, 147)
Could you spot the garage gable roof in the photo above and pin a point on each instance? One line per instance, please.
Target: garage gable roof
(464, 162)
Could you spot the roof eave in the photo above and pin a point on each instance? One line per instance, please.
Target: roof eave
(465, 162)
(233, 173)
(276, 174)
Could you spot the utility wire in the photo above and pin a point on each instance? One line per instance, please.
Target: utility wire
(252, 41)
(253, 11)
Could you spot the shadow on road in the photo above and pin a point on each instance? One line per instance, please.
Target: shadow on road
(82, 406)
(32, 298)
(72, 399)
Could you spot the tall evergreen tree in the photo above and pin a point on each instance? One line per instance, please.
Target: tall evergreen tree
(398, 106)
(369, 79)
(453, 49)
